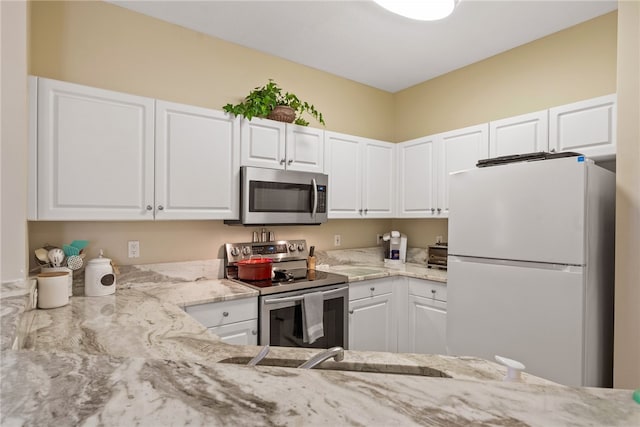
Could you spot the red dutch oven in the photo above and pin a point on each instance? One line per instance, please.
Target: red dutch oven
(255, 269)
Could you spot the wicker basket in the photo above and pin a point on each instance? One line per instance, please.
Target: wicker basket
(282, 113)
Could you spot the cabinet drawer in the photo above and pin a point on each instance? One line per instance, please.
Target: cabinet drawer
(240, 333)
(370, 288)
(224, 313)
(428, 289)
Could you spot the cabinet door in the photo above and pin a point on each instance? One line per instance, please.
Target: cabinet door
(197, 163)
(416, 178)
(427, 325)
(95, 153)
(378, 179)
(343, 165)
(459, 150)
(239, 333)
(263, 143)
(587, 127)
(372, 324)
(527, 133)
(305, 149)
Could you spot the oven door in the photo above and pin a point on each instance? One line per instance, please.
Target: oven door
(281, 318)
(272, 196)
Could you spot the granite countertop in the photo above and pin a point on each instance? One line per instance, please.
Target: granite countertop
(137, 358)
(367, 264)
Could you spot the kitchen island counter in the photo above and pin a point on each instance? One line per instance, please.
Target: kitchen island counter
(137, 358)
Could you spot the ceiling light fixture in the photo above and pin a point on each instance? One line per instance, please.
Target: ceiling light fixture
(421, 10)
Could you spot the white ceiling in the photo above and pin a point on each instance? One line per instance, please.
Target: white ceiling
(358, 40)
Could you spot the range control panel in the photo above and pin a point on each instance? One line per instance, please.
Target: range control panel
(281, 250)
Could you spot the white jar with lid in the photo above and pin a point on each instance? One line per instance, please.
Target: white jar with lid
(99, 278)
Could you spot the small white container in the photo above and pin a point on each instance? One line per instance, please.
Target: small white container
(99, 278)
(64, 269)
(53, 289)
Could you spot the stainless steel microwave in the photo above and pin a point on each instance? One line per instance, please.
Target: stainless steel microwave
(272, 196)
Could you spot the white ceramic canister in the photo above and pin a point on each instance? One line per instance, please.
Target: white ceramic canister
(53, 289)
(99, 278)
(64, 269)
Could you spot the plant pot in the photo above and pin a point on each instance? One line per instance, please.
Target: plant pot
(282, 113)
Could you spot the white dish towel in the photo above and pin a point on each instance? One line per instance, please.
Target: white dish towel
(312, 317)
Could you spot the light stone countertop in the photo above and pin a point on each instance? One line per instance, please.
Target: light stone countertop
(137, 358)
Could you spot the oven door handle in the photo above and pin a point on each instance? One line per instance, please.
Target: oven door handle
(267, 301)
(315, 198)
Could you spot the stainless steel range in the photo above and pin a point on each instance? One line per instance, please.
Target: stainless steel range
(280, 300)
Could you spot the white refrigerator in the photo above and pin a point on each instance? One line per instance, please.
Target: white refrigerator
(531, 267)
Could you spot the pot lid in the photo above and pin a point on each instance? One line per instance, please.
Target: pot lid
(255, 261)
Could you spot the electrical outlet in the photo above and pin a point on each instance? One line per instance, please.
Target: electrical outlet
(134, 249)
(378, 239)
(337, 240)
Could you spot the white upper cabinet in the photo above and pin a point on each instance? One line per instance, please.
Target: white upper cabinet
(587, 127)
(459, 150)
(378, 179)
(277, 145)
(344, 167)
(94, 153)
(197, 163)
(416, 178)
(526, 133)
(361, 176)
(305, 149)
(263, 143)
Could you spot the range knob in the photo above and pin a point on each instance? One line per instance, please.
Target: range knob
(235, 251)
(246, 250)
(292, 247)
(301, 247)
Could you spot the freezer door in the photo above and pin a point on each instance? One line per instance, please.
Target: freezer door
(528, 211)
(533, 314)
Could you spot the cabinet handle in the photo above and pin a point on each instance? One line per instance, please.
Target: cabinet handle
(433, 291)
(282, 161)
(149, 207)
(290, 161)
(350, 311)
(160, 207)
(433, 210)
(225, 314)
(553, 150)
(372, 289)
(360, 211)
(439, 210)
(365, 211)
(254, 332)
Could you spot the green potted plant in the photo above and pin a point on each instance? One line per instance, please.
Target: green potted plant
(269, 101)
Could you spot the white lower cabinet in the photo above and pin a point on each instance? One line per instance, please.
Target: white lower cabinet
(372, 316)
(427, 317)
(239, 333)
(235, 321)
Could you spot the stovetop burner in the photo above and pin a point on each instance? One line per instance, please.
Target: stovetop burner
(289, 266)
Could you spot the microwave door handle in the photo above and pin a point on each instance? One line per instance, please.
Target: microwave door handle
(315, 197)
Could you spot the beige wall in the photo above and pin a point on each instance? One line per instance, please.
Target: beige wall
(102, 45)
(14, 140)
(192, 240)
(106, 46)
(571, 65)
(627, 299)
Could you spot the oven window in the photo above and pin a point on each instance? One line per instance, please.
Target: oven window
(286, 326)
(279, 197)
